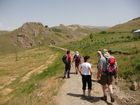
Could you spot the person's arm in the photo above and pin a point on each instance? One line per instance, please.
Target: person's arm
(100, 68)
(99, 73)
(90, 70)
(70, 58)
(74, 58)
(80, 70)
(116, 75)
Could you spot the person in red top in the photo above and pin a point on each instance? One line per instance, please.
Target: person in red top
(68, 63)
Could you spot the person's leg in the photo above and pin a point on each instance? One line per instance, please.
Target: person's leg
(110, 88)
(69, 67)
(84, 84)
(76, 68)
(104, 86)
(111, 93)
(84, 92)
(89, 85)
(65, 72)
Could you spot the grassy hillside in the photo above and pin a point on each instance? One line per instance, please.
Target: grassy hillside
(43, 67)
(128, 57)
(127, 27)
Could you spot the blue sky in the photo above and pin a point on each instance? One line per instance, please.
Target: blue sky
(13, 13)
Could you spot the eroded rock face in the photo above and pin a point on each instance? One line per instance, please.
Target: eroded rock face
(29, 34)
(134, 86)
(24, 41)
(34, 28)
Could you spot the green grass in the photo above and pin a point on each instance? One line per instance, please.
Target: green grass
(52, 70)
(117, 41)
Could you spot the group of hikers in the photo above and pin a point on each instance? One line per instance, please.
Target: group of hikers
(107, 71)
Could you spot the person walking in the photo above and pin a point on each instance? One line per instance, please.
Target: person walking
(77, 60)
(67, 61)
(107, 69)
(86, 73)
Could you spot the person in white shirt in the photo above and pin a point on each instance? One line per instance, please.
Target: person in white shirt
(86, 73)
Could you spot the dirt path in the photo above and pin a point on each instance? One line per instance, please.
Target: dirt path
(71, 92)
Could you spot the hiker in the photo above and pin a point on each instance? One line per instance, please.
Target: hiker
(77, 60)
(67, 61)
(107, 69)
(86, 73)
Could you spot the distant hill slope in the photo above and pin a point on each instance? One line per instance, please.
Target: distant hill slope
(102, 28)
(3, 32)
(34, 34)
(127, 27)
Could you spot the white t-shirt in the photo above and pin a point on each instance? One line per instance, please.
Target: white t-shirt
(85, 68)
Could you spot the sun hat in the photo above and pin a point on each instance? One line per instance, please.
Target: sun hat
(106, 53)
(77, 52)
(105, 50)
(99, 52)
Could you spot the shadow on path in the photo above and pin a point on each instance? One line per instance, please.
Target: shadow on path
(89, 99)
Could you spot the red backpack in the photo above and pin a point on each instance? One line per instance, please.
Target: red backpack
(111, 65)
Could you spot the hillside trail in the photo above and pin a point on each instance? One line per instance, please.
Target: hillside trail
(71, 91)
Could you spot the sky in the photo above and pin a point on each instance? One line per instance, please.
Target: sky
(13, 13)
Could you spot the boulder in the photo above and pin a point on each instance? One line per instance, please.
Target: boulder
(134, 86)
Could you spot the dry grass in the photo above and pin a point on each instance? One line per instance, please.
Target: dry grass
(12, 72)
(44, 95)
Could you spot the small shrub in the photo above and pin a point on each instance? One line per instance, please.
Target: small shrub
(103, 32)
(56, 30)
(137, 67)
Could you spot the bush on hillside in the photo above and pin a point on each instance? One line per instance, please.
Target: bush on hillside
(103, 32)
(46, 26)
(91, 37)
(56, 30)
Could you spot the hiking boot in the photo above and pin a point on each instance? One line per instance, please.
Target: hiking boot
(64, 77)
(112, 99)
(104, 98)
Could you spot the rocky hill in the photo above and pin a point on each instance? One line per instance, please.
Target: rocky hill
(33, 34)
(127, 27)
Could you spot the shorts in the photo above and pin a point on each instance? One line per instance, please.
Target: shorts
(86, 79)
(106, 79)
(77, 64)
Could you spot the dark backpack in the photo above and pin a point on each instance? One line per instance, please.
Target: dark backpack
(111, 66)
(77, 58)
(65, 59)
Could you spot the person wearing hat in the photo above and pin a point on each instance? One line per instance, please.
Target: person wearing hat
(105, 78)
(86, 73)
(101, 66)
(77, 60)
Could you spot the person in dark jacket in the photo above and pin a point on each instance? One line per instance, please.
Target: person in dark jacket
(68, 62)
